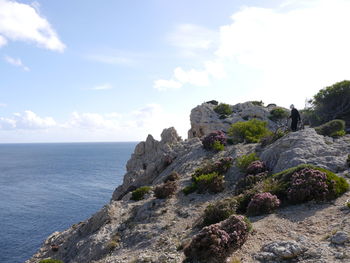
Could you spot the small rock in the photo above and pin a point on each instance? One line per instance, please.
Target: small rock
(339, 238)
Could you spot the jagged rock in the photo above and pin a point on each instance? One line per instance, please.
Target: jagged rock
(205, 120)
(306, 146)
(149, 159)
(280, 250)
(339, 238)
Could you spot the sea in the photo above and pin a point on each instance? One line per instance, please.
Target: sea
(47, 187)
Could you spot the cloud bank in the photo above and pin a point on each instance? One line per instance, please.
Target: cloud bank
(298, 47)
(23, 22)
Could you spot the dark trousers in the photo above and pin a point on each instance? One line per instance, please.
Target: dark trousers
(294, 125)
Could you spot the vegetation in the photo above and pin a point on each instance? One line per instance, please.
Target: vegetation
(258, 103)
(216, 137)
(221, 167)
(278, 114)
(333, 102)
(190, 189)
(219, 211)
(334, 128)
(348, 160)
(165, 190)
(216, 242)
(174, 176)
(262, 203)
(212, 182)
(248, 182)
(139, 193)
(218, 146)
(244, 161)
(248, 131)
(49, 260)
(223, 109)
(256, 167)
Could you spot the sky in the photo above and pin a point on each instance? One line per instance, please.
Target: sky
(112, 70)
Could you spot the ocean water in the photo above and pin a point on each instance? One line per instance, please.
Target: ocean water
(48, 187)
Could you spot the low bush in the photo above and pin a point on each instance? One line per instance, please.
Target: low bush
(262, 203)
(257, 103)
(190, 189)
(280, 184)
(216, 137)
(221, 167)
(216, 242)
(278, 113)
(223, 109)
(218, 146)
(256, 167)
(139, 193)
(248, 131)
(165, 190)
(244, 161)
(334, 128)
(348, 160)
(248, 182)
(219, 211)
(308, 184)
(212, 182)
(174, 176)
(49, 260)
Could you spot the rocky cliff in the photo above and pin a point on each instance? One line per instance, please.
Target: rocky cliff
(156, 230)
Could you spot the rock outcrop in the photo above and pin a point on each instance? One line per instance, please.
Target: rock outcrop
(205, 120)
(157, 230)
(149, 159)
(306, 146)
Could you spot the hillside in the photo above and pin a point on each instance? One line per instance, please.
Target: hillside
(157, 230)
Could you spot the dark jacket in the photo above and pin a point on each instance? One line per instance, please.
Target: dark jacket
(295, 115)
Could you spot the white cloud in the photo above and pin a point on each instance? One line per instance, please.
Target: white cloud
(190, 36)
(163, 84)
(22, 22)
(16, 62)
(3, 41)
(105, 86)
(112, 59)
(285, 53)
(27, 120)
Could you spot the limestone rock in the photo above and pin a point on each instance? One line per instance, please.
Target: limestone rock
(205, 120)
(340, 238)
(280, 250)
(306, 146)
(149, 159)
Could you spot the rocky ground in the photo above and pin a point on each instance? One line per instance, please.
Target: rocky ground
(156, 230)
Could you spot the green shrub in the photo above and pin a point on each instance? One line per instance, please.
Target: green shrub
(220, 166)
(348, 204)
(244, 161)
(190, 189)
(218, 146)
(278, 114)
(280, 183)
(334, 128)
(139, 193)
(257, 103)
(212, 182)
(219, 211)
(248, 131)
(248, 182)
(223, 109)
(49, 260)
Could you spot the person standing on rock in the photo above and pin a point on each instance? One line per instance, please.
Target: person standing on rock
(294, 114)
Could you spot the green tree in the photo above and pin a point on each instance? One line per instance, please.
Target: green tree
(333, 102)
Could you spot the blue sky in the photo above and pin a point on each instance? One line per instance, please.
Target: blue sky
(119, 70)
